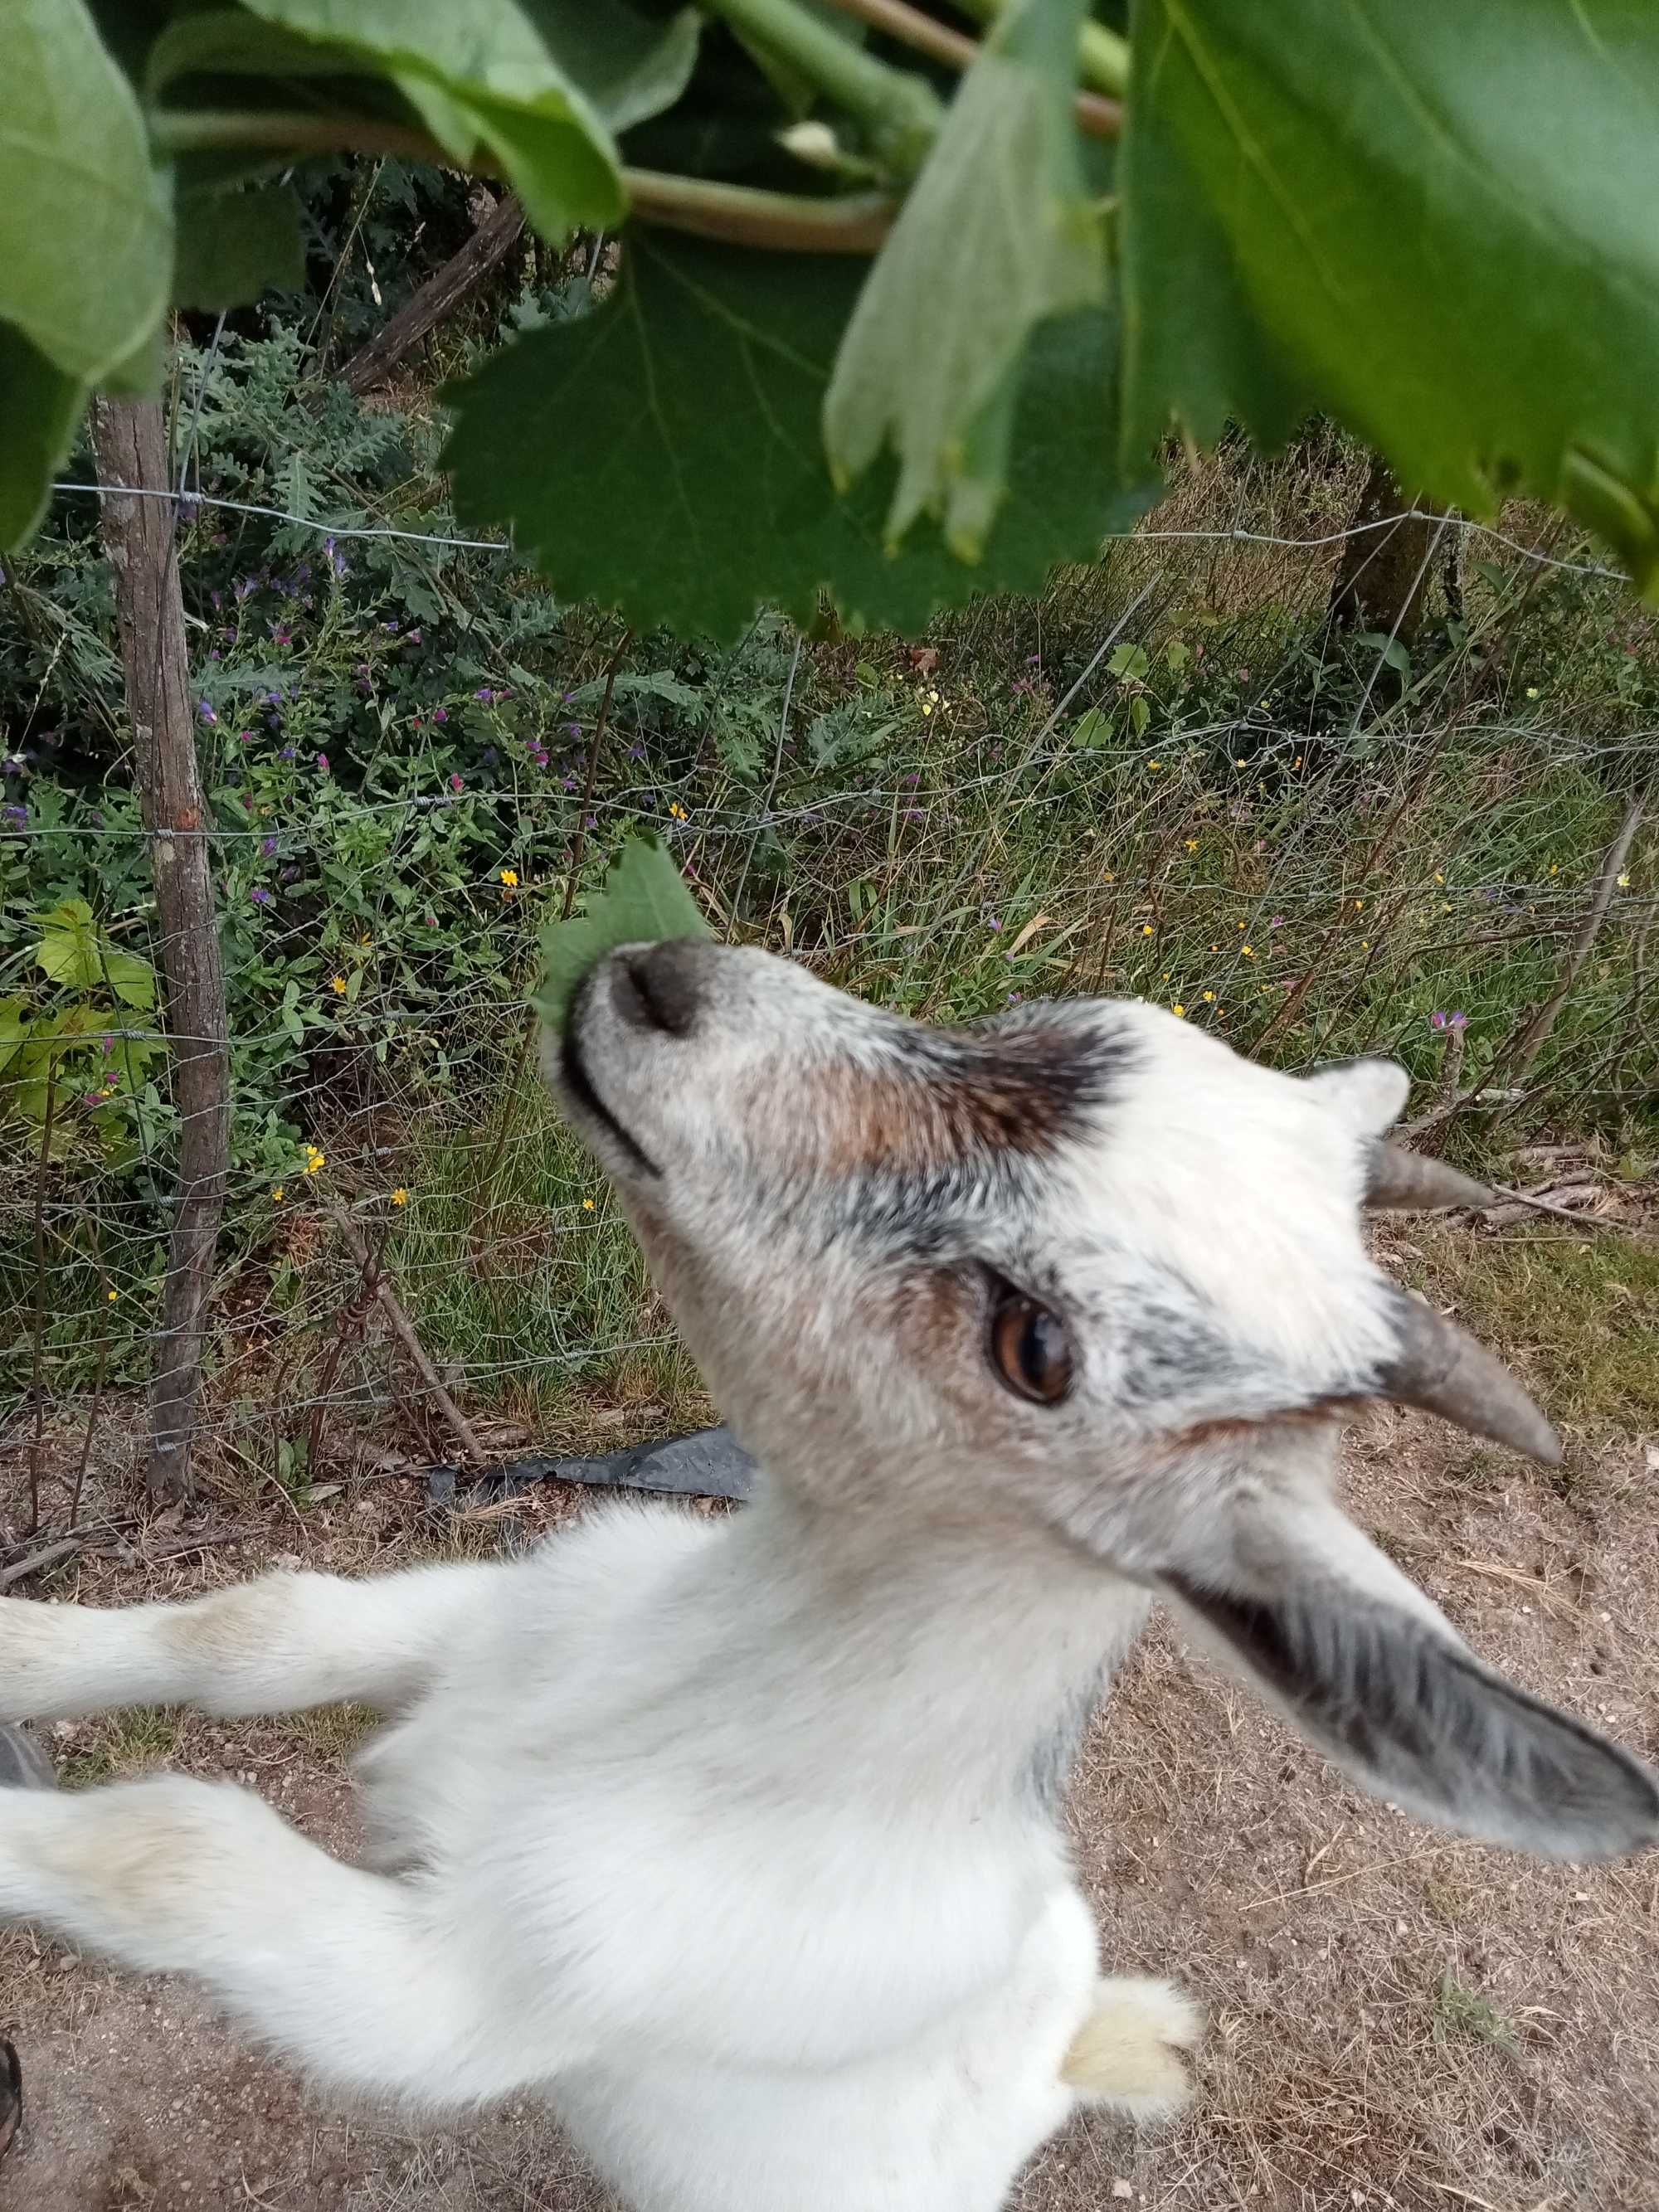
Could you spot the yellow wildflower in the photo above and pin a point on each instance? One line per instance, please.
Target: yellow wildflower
(1145, 928)
(400, 1196)
(1192, 844)
(588, 1205)
(276, 1190)
(1209, 998)
(337, 984)
(510, 877)
(1179, 1009)
(112, 1295)
(315, 1161)
(1249, 951)
(1623, 883)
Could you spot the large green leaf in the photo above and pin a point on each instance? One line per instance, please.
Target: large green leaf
(631, 66)
(1438, 222)
(484, 81)
(997, 234)
(86, 246)
(234, 245)
(39, 407)
(644, 900)
(663, 454)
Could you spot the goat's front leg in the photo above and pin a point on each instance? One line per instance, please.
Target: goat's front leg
(371, 1984)
(273, 1645)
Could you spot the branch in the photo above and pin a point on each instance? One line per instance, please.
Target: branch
(1537, 1030)
(738, 214)
(460, 1425)
(741, 214)
(460, 277)
(903, 110)
(1104, 54)
(909, 26)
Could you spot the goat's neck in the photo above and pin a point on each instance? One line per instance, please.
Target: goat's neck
(928, 1654)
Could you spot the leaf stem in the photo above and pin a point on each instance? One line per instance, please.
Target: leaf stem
(901, 110)
(738, 214)
(909, 26)
(741, 214)
(1103, 53)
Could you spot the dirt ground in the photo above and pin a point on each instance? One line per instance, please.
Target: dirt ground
(1397, 2019)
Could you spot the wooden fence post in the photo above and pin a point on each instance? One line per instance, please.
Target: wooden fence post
(140, 537)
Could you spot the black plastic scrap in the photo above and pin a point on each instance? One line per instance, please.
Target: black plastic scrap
(710, 1463)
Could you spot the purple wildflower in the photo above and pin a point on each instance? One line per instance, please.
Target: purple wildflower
(322, 762)
(15, 814)
(259, 895)
(204, 709)
(457, 783)
(268, 845)
(440, 713)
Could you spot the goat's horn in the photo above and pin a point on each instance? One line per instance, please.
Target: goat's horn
(1408, 1180)
(1440, 1368)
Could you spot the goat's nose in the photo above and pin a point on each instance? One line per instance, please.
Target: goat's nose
(668, 983)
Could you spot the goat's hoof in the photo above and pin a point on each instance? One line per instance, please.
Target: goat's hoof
(1127, 2054)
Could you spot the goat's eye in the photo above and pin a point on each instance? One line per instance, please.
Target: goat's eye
(1029, 1349)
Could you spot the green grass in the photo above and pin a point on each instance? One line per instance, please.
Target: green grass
(1238, 815)
(1578, 1314)
(118, 1744)
(1459, 2011)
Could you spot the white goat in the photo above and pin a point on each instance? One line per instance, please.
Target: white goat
(738, 1839)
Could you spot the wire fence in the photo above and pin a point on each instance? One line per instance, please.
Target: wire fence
(1171, 777)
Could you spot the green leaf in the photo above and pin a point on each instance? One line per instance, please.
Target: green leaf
(630, 66)
(1437, 223)
(229, 42)
(132, 979)
(86, 243)
(644, 900)
(1092, 730)
(696, 489)
(232, 246)
(13, 1035)
(68, 951)
(1128, 660)
(482, 79)
(39, 407)
(997, 235)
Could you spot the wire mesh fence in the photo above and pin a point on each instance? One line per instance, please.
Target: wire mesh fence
(1173, 777)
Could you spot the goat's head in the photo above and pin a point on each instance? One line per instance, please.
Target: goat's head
(1081, 1270)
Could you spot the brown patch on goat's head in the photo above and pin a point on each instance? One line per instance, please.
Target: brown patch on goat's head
(939, 1100)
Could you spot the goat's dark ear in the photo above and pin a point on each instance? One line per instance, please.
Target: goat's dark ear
(1387, 1692)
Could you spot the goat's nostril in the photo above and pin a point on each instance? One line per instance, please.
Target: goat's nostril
(666, 986)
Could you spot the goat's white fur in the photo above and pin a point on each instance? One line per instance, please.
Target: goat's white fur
(737, 1838)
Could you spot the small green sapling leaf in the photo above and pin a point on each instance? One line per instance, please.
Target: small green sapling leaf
(644, 900)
